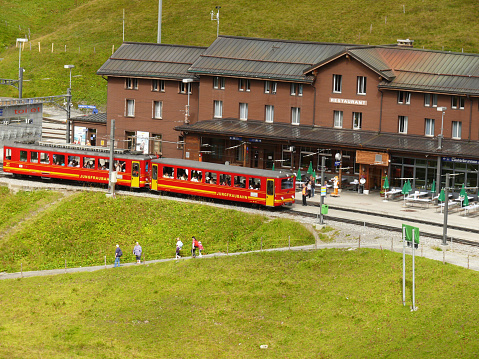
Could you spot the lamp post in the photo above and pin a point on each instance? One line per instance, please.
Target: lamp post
(439, 148)
(20, 69)
(216, 17)
(69, 102)
(188, 91)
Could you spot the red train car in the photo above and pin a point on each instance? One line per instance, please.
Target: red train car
(77, 163)
(241, 184)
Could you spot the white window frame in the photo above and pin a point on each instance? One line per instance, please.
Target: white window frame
(292, 91)
(158, 110)
(427, 99)
(131, 83)
(458, 102)
(429, 127)
(357, 120)
(269, 114)
(337, 83)
(158, 85)
(218, 109)
(402, 124)
(243, 110)
(216, 82)
(361, 88)
(404, 97)
(244, 85)
(456, 129)
(185, 87)
(434, 99)
(338, 119)
(295, 115)
(300, 89)
(130, 108)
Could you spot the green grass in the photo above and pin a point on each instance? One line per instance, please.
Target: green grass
(85, 227)
(90, 28)
(321, 304)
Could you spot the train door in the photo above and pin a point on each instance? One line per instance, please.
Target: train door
(135, 174)
(270, 192)
(154, 177)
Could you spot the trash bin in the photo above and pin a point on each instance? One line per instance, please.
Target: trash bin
(324, 209)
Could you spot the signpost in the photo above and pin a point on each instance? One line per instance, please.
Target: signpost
(410, 234)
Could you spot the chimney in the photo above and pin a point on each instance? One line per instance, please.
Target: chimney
(405, 43)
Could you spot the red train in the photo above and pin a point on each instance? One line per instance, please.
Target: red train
(75, 162)
(136, 170)
(241, 184)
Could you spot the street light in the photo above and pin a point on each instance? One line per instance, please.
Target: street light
(439, 147)
(188, 90)
(69, 103)
(20, 69)
(69, 67)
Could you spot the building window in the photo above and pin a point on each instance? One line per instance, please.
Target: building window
(404, 97)
(458, 102)
(402, 124)
(295, 115)
(219, 83)
(427, 99)
(130, 108)
(158, 85)
(185, 87)
(157, 109)
(357, 120)
(434, 100)
(270, 87)
(157, 142)
(338, 119)
(130, 139)
(181, 142)
(218, 109)
(296, 89)
(429, 130)
(131, 83)
(337, 83)
(244, 85)
(361, 85)
(269, 113)
(243, 107)
(456, 129)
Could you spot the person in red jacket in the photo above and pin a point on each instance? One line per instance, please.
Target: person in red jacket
(194, 245)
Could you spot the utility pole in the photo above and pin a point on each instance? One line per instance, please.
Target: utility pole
(69, 105)
(112, 169)
(160, 6)
(323, 163)
(446, 205)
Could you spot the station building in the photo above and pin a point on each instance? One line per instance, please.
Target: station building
(371, 111)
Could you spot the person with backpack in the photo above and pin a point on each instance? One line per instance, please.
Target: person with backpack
(179, 245)
(194, 245)
(118, 254)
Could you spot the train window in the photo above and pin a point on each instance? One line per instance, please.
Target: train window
(73, 161)
(154, 173)
(103, 164)
(287, 183)
(225, 180)
(196, 176)
(255, 183)
(211, 177)
(8, 153)
(34, 157)
(88, 162)
(44, 158)
(168, 172)
(120, 166)
(59, 160)
(240, 181)
(182, 174)
(23, 156)
(270, 188)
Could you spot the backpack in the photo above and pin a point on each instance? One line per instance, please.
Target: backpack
(120, 253)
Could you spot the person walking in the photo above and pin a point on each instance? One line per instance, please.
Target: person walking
(179, 245)
(313, 186)
(137, 252)
(194, 245)
(118, 254)
(200, 248)
(305, 193)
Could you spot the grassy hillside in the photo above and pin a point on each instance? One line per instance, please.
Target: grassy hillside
(90, 28)
(84, 228)
(321, 304)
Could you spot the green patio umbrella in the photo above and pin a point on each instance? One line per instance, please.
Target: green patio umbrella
(298, 176)
(433, 186)
(409, 185)
(405, 188)
(463, 193)
(386, 183)
(273, 167)
(465, 202)
(442, 196)
(310, 169)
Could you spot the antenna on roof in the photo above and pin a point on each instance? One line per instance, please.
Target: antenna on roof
(216, 17)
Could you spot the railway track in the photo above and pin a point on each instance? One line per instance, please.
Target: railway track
(397, 229)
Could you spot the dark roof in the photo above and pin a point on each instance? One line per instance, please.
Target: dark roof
(263, 58)
(356, 139)
(208, 166)
(422, 70)
(98, 118)
(151, 60)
